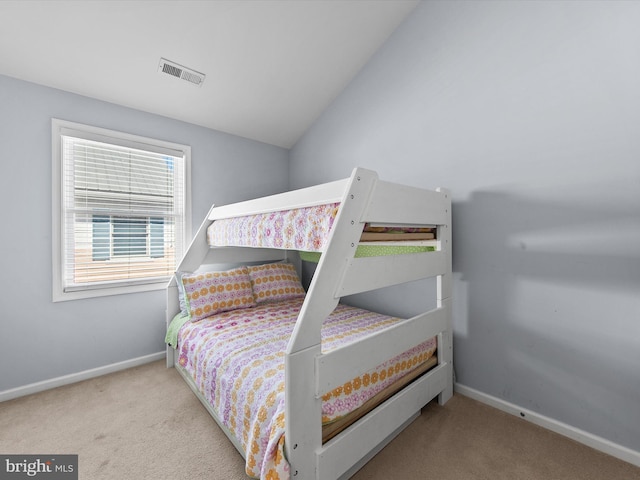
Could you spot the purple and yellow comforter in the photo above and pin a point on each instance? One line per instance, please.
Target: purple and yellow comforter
(236, 360)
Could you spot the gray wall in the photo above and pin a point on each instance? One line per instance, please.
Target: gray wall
(42, 340)
(530, 113)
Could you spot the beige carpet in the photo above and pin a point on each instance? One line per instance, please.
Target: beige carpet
(145, 423)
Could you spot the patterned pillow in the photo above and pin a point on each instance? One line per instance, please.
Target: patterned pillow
(275, 281)
(214, 292)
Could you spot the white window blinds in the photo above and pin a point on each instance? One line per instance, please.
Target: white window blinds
(122, 211)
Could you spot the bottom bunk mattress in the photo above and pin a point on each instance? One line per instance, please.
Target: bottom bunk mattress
(236, 361)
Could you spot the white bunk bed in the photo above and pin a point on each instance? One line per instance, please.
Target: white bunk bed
(363, 199)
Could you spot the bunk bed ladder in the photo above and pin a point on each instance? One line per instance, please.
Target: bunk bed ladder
(303, 429)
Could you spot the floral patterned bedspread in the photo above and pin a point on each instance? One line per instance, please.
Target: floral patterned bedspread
(237, 361)
(304, 229)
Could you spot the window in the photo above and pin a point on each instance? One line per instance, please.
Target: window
(114, 236)
(121, 211)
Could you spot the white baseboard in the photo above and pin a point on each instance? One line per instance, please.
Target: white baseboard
(78, 377)
(586, 438)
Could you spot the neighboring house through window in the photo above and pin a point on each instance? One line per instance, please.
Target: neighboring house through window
(121, 211)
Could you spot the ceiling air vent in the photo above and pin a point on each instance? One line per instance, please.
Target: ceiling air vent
(178, 71)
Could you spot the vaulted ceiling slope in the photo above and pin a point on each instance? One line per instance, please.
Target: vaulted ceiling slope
(271, 66)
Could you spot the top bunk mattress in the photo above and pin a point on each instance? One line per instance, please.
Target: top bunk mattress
(307, 229)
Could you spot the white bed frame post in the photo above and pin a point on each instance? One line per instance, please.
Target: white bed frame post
(444, 292)
(173, 307)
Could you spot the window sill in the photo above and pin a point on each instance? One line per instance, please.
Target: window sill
(61, 296)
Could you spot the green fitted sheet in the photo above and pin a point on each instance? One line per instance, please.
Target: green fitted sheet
(374, 251)
(171, 338)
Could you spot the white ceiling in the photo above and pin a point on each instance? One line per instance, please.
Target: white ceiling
(272, 66)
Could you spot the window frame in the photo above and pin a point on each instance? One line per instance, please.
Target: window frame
(87, 132)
